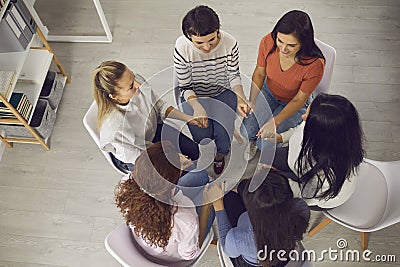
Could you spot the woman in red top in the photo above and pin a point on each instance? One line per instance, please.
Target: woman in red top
(289, 67)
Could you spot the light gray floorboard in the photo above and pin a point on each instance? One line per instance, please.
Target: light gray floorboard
(57, 207)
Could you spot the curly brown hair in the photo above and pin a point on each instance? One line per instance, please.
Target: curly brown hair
(138, 198)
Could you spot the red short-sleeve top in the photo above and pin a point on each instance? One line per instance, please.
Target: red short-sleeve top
(285, 84)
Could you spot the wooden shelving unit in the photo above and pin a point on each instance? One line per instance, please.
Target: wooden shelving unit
(30, 68)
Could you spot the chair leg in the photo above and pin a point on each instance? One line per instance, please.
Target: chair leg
(319, 227)
(364, 240)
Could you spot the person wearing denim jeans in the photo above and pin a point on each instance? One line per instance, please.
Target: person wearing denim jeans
(266, 108)
(221, 111)
(156, 203)
(206, 63)
(289, 68)
(192, 184)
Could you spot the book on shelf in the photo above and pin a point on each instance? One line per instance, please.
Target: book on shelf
(6, 80)
(21, 104)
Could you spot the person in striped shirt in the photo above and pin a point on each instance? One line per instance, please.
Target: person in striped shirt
(206, 62)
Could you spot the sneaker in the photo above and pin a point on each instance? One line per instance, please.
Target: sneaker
(219, 166)
(251, 151)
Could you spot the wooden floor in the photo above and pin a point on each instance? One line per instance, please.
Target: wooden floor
(57, 207)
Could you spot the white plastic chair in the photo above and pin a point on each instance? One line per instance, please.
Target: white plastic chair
(225, 261)
(330, 55)
(121, 244)
(374, 204)
(90, 123)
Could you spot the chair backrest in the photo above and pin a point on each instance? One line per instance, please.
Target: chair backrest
(330, 55)
(90, 123)
(121, 244)
(390, 170)
(366, 206)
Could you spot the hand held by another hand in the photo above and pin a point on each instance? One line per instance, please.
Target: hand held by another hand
(215, 194)
(200, 115)
(268, 130)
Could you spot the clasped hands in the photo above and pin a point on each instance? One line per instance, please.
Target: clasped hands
(244, 107)
(214, 193)
(268, 132)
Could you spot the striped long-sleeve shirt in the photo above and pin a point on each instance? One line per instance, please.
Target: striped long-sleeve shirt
(207, 74)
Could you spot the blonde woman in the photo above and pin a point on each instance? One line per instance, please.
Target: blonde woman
(130, 115)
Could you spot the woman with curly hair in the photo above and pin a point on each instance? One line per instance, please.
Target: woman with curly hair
(163, 220)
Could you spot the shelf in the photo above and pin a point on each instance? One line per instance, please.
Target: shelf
(36, 65)
(32, 92)
(30, 68)
(13, 62)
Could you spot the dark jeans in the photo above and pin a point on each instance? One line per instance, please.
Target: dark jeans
(281, 163)
(184, 144)
(268, 106)
(221, 112)
(234, 207)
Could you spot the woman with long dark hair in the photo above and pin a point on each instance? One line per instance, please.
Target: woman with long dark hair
(164, 221)
(289, 67)
(269, 218)
(324, 152)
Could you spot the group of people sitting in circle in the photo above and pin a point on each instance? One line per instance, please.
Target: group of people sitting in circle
(163, 194)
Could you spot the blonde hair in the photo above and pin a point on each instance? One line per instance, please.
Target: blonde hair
(105, 78)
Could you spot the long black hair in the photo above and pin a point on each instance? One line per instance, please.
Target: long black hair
(299, 24)
(277, 221)
(332, 147)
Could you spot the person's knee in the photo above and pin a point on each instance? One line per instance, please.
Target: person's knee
(289, 123)
(249, 127)
(195, 154)
(203, 177)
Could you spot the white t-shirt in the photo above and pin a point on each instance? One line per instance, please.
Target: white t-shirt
(184, 241)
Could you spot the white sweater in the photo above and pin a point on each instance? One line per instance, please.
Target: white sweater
(207, 74)
(127, 132)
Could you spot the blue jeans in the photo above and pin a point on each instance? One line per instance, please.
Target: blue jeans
(266, 108)
(221, 112)
(192, 185)
(184, 144)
